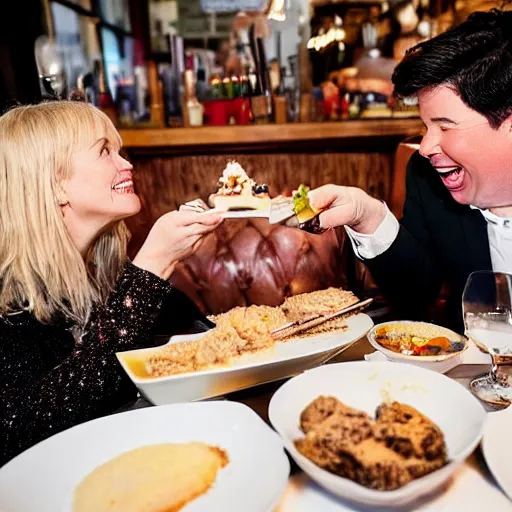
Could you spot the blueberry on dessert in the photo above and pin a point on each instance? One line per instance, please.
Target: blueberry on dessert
(260, 190)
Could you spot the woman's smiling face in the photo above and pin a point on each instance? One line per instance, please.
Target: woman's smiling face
(100, 189)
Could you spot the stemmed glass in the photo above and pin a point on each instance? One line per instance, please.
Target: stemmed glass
(487, 309)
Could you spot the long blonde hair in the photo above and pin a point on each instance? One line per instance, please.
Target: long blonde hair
(40, 268)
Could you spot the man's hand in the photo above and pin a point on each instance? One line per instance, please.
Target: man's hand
(347, 206)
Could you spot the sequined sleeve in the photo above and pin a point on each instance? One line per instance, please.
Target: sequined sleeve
(88, 382)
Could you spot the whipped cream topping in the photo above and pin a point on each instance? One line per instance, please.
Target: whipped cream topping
(234, 180)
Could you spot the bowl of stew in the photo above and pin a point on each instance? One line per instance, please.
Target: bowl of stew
(420, 343)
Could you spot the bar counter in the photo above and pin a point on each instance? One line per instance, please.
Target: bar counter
(270, 134)
(175, 165)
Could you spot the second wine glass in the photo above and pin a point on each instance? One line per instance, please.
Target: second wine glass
(487, 309)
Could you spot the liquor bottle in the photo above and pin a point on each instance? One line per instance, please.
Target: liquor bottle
(261, 101)
(193, 110)
(105, 100)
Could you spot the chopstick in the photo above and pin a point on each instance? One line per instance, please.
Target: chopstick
(296, 327)
(293, 324)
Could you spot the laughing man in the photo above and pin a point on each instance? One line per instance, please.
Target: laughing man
(458, 207)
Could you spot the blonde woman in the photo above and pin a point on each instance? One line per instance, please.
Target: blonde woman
(69, 299)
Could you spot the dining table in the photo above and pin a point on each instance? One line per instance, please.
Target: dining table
(471, 488)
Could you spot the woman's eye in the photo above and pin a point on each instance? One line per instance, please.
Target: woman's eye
(105, 151)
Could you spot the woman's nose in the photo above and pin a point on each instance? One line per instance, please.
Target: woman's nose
(123, 164)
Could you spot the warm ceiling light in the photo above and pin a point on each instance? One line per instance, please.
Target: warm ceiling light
(319, 42)
(277, 10)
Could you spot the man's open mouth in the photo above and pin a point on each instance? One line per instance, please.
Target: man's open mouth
(452, 177)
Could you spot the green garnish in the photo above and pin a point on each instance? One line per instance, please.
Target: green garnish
(300, 199)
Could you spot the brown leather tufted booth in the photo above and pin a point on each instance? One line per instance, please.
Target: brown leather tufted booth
(249, 261)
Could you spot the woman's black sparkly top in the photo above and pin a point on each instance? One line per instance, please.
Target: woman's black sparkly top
(49, 381)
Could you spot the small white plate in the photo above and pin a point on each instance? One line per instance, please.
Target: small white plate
(364, 386)
(497, 447)
(43, 478)
(442, 363)
(473, 355)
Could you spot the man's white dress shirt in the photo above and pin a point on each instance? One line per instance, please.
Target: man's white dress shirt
(499, 230)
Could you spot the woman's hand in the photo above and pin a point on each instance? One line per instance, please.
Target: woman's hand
(347, 206)
(173, 237)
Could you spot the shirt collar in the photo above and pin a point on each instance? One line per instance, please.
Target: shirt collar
(491, 218)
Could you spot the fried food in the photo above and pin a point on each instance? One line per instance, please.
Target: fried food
(240, 331)
(271, 317)
(408, 432)
(400, 445)
(246, 330)
(335, 415)
(322, 302)
(317, 411)
(157, 478)
(368, 463)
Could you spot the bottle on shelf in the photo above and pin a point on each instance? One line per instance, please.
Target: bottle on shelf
(344, 105)
(261, 100)
(193, 110)
(354, 108)
(157, 108)
(105, 100)
(245, 87)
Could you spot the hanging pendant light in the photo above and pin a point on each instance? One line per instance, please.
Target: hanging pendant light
(50, 67)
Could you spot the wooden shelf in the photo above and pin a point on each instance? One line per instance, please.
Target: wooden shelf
(269, 135)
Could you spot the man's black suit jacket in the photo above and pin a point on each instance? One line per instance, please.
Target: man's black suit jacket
(440, 241)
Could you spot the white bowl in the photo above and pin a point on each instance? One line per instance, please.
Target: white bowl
(285, 360)
(441, 363)
(364, 386)
(43, 478)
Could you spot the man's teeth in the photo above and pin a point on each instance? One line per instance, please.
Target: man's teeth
(448, 170)
(123, 185)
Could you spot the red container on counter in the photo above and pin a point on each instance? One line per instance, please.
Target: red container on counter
(331, 95)
(219, 112)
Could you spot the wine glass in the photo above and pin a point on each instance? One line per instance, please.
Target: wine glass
(487, 309)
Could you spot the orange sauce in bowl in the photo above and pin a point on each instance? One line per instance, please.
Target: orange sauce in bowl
(137, 366)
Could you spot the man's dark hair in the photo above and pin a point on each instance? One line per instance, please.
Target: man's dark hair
(474, 58)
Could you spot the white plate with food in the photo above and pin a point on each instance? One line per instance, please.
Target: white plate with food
(498, 449)
(378, 434)
(208, 456)
(237, 196)
(244, 350)
(419, 343)
(285, 359)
